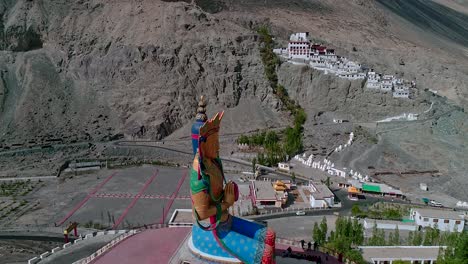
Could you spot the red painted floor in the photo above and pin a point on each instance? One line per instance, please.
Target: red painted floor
(150, 246)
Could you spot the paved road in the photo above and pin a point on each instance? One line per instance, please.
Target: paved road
(28, 178)
(139, 144)
(37, 237)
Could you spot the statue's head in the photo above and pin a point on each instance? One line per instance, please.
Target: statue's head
(200, 119)
(209, 137)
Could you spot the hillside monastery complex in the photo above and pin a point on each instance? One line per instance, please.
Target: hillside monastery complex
(324, 59)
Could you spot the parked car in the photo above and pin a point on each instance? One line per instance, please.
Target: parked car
(300, 213)
(435, 203)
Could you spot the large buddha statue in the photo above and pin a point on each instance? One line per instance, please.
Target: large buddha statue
(218, 236)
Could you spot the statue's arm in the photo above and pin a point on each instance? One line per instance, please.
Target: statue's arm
(201, 202)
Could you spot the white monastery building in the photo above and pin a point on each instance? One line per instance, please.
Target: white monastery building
(299, 46)
(388, 83)
(443, 220)
(320, 195)
(301, 50)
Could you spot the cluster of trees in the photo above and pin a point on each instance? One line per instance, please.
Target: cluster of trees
(270, 141)
(457, 249)
(269, 58)
(431, 237)
(275, 147)
(348, 234)
(378, 237)
(456, 242)
(292, 143)
(264, 139)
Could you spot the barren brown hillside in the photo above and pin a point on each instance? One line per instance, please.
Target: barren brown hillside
(430, 38)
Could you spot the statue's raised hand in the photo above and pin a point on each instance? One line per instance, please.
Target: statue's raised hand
(229, 193)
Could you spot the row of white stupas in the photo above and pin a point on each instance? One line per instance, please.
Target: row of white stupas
(328, 166)
(348, 143)
(324, 59)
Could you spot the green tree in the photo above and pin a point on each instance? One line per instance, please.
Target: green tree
(299, 118)
(254, 164)
(417, 238)
(456, 251)
(292, 141)
(431, 236)
(271, 140)
(391, 239)
(323, 230)
(261, 159)
(397, 236)
(409, 242)
(347, 232)
(316, 234)
(281, 91)
(357, 233)
(355, 256)
(377, 238)
(355, 210)
(394, 237)
(243, 139)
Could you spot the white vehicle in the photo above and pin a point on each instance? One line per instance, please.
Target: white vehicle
(435, 204)
(300, 213)
(283, 167)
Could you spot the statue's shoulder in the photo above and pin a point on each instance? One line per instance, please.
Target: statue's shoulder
(196, 185)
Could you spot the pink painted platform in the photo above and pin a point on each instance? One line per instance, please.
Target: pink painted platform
(169, 245)
(151, 246)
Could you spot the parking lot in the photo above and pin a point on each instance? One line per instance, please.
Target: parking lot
(132, 197)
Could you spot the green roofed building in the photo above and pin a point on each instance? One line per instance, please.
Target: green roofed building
(371, 188)
(376, 188)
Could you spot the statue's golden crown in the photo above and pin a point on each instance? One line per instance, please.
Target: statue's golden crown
(212, 125)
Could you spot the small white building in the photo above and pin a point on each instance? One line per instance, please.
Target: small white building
(423, 186)
(387, 83)
(388, 254)
(373, 80)
(389, 224)
(443, 220)
(401, 93)
(320, 195)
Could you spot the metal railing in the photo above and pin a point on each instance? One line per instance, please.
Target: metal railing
(291, 210)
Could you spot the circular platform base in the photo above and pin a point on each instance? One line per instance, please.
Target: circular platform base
(209, 257)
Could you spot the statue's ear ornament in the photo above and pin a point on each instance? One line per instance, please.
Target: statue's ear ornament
(211, 126)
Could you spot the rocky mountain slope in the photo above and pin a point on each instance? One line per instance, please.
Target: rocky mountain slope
(92, 70)
(430, 38)
(87, 70)
(95, 70)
